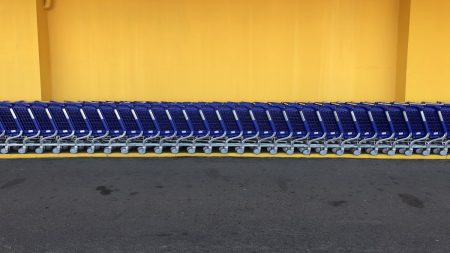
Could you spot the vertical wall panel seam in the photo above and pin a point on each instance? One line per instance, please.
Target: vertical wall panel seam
(402, 49)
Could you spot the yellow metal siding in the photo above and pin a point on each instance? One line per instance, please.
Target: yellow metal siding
(19, 52)
(225, 50)
(192, 50)
(428, 71)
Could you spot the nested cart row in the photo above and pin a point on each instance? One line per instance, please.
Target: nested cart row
(218, 127)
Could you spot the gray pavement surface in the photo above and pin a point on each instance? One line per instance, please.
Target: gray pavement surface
(224, 205)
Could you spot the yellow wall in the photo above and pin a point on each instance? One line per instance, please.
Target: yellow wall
(44, 50)
(19, 53)
(402, 48)
(428, 73)
(267, 50)
(224, 50)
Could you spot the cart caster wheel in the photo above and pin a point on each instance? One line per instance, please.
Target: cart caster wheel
(369, 150)
(391, 152)
(56, 150)
(323, 152)
(317, 150)
(436, 151)
(374, 152)
(191, 150)
(340, 152)
(419, 151)
(334, 150)
(306, 152)
(207, 150)
(90, 150)
(141, 150)
(442, 153)
(124, 150)
(408, 152)
(385, 150)
(301, 150)
(4, 151)
(174, 150)
(158, 150)
(273, 151)
(22, 150)
(402, 151)
(426, 152)
(289, 151)
(239, 150)
(107, 150)
(223, 150)
(73, 150)
(256, 151)
(39, 150)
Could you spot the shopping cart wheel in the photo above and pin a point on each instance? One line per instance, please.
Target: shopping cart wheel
(402, 150)
(73, 150)
(141, 150)
(124, 150)
(426, 152)
(257, 150)
(239, 150)
(289, 151)
(443, 152)
(340, 152)
(22, 150)
(90, 150)
(191, 150)
(419, 151)
(374, 152)
(369, 150)
(385, 150)
(317, 150)
(4, 150)
(436, 151)
(223, 150)
(158, 150)
(334, 150)
(56, 150)
(306, 152)
(39, 150)
(174, 150)
(409, 152)
(207, 150)
(391, 152)
(273, 151)
(323, 152)
(107, 150)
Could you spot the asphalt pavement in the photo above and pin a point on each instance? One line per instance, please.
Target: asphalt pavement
(224, 205)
